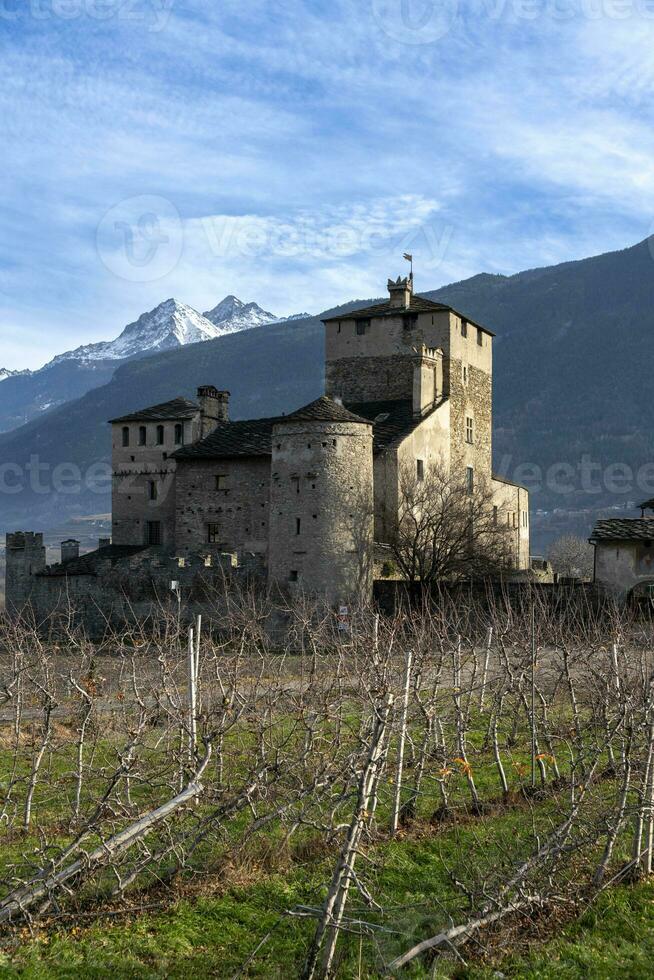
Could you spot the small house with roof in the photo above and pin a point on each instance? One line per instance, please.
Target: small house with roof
(624, 553)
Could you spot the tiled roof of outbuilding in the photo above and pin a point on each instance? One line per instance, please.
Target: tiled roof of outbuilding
(177, 408)
(624, 529)
(87, 564)
(417, 304)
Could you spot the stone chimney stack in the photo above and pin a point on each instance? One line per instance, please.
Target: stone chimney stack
(69, 549)
(401, 291)
(214, 408)
(427, 379)
(104, 542)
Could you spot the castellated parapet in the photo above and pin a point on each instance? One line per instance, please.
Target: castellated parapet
(321, 503)
(25, 558)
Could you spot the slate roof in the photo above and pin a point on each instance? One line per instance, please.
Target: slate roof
(87, 564)
(177, 408)
(624, 529)
(391, 421)
(417, 304)
(323, 409)
(510, 483)
(252, 437)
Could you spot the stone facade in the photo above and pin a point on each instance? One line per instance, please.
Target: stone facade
(298, 500)
(321, 507)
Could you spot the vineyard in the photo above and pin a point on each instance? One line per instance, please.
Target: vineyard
(441, 793)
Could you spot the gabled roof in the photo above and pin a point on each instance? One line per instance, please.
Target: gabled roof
(323, 409)
(624, 529)
(391, 422)
(252, 437)
(88, 564)
(176, 408)
(417, 304)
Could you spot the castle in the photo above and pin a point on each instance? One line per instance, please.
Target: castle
(301, 500)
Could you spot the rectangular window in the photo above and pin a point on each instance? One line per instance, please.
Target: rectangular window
(469, 430)
(152, 490)
(495, 516)
(470, 479)
(213, 533)
(143, 435)
(297, 525)
(480, 337)
(464, 328)
(409, 321)
(179, 434)
(362, 327)
(125, 435)
(160, 435)
(221, 481)
(293, 575)
(153, 532)
(420, 469)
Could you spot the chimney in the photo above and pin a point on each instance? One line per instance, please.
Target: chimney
(427, 379)
(401, 292)
(69, 549)
(104, 542)
(214, 408)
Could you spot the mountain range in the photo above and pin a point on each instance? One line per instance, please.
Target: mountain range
(169, 325)
(573, 417)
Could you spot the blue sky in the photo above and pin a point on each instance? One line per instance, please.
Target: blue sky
(290, 152)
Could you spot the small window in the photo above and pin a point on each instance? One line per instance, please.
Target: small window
(160, 435)
(362, 327)
(143, 435)
(179, 434)
(495, 516)
(298, 524)
(515, 522)
(480, 337)
(295, 483)
(339, 327)
(293, 575)
(213, 533)
(125, 435)
(464, 328)
(469, 430)
(470, 479)
(409, 321)
(152, 490)
(220, 481)
(153, 532)
(465, 374)
(420, 469)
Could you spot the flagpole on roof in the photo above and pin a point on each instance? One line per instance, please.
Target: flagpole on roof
(409, 259)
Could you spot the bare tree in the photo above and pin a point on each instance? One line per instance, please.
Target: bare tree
(572, 556)
(447, 529)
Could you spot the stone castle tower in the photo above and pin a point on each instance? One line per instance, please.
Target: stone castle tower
(25, 557)
(321, 502)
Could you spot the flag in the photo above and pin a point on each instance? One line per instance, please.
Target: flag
(408, 257)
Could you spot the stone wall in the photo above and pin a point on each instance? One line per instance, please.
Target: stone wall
(231, 494)
(321, 508)
(512, 502)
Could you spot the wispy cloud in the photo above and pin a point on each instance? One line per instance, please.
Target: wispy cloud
(300, 145)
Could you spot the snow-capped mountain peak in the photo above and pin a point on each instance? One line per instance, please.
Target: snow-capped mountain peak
(6, 373)
(232, 314)
(171, 324)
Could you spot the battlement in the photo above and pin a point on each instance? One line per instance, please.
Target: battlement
(27, 541)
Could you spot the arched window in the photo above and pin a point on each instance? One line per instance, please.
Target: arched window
(179, 433)
(125, 435)
(142, 435)
(160, 435)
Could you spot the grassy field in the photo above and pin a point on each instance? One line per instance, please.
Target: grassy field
(518, 788)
